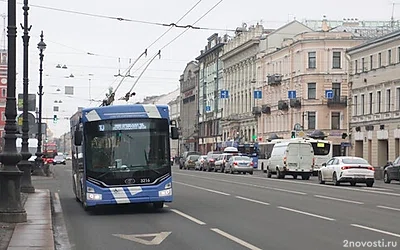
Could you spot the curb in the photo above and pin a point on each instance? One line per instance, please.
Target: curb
(61, 239)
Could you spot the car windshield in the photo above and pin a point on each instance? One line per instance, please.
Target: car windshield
(354, 161)
(126, 146)
(194, 157)
(59, 158)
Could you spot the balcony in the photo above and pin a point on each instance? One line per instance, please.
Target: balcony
(265, 109)
(283, 105)
(275, 79)
(256, 111)
(295, 103)
(338, 101)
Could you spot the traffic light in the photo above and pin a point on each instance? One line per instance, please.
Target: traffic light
(293, 134)
(55, 119)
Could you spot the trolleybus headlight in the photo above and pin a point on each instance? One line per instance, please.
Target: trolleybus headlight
(168, 185)
(92, 196)
(166, 192)
(90, 190)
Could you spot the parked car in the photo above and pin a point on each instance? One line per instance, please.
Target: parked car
(191, 161)
(212, 157)
(200, 162)
(222, 161)
(59, 159)
(182, 160)
(392, 171)
(347, 169)
(240, 164)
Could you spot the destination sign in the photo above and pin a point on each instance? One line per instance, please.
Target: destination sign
(123, 126)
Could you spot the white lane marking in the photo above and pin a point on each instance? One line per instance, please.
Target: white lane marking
(390, 208)
(377, 188)
(235, 239)
(201, 188)
(376, 230)
(188, 217)
(166, 205)
(337, 199)
(246, 184)
(366, 190)
(255, 201)
(306, 213)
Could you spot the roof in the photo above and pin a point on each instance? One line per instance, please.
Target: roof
(125, 111)
(162, 99)
(375, 42)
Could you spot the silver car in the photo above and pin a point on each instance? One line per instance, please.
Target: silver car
(240, 164)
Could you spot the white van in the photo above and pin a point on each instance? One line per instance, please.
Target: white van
(291, 158)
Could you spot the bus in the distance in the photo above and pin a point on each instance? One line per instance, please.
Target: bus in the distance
(50, 150)
(250, 150)
(121, 155)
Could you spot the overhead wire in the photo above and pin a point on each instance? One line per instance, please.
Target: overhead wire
(112, 94)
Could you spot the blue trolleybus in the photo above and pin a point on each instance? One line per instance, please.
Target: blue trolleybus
(121, 155)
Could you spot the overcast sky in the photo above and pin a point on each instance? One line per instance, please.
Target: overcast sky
(71, 36)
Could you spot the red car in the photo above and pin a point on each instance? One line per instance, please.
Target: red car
(48, 160)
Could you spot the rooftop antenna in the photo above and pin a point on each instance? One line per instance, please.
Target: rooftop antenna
(4, 35)
(119, 68)
(392, 18)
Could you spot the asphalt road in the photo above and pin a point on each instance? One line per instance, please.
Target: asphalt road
(223, 211)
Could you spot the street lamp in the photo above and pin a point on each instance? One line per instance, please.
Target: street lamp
(11, 209)
(39, 161)
(25, 165)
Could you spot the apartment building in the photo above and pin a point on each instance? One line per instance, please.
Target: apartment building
(305, 86)
(174, 111)
(188, 107)
(210, 85)
(375, 109)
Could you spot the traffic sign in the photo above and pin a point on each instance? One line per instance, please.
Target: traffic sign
(329, 94)
(224, 94)
(257, 94)
(208, 108)
(292, 94)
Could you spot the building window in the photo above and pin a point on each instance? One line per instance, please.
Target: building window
(4, 92)
(311, 120)
(312, 60)
(371, 62)
(379, 101)
(336, 88)
(398, 98)
(388, 100)
(379, 60)
(355, 105)
(312, 89)
(337, 60)
(362, 105)
(370, 103)
(3, 115)
(389, 56)
(356, 66)
(335, 119)
(398, 54)
(363, 64)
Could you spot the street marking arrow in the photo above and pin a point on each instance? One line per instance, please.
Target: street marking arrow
(158, 238)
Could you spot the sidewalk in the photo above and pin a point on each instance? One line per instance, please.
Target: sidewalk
(37, 232)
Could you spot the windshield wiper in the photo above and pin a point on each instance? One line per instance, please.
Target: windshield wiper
(145, 168)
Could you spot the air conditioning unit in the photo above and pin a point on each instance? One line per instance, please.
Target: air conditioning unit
(282, 105)
(265, 109)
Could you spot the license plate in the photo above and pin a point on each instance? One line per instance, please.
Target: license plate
(360, 176)
(292, 164)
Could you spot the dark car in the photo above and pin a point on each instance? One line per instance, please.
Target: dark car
(392, 171)
(59, 159)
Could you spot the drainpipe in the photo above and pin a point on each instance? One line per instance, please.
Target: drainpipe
(349, 86)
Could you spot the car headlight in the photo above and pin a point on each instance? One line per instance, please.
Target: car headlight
(93, 196)
(166, 192)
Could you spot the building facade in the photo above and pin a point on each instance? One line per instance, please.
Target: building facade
(209, 87)
(189, 107)
(239, 60)
(306, 86)
(375, 80)
(174, 111)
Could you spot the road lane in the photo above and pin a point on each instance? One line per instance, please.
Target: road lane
(341, 192)
(111, 228)
(266, 226)
(342, 210)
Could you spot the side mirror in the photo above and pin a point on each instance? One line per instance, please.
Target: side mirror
(78, 138)
(389, 163)
(324, 164)
(174, 133)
